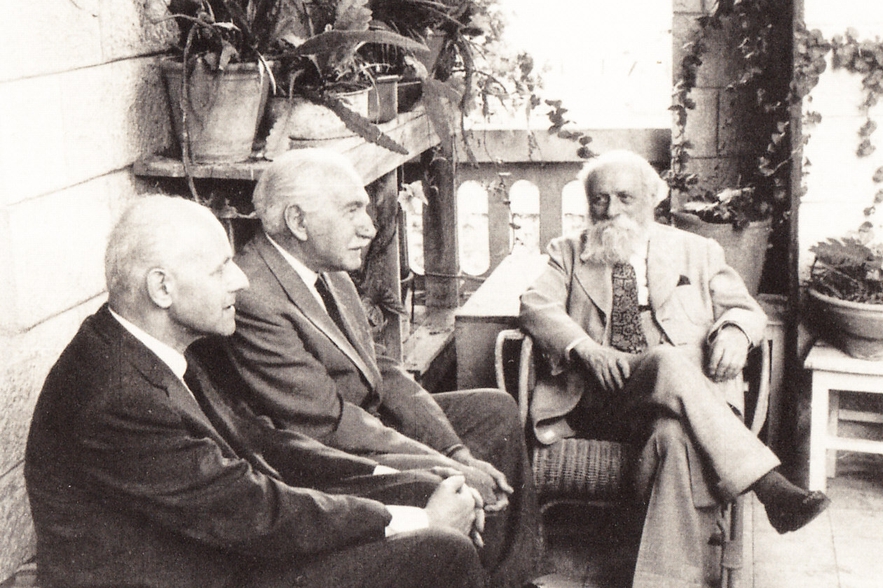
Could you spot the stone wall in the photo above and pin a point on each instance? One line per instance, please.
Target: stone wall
(81, 100)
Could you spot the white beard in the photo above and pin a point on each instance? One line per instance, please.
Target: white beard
(613, 241)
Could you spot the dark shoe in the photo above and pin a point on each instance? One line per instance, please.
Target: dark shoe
(786, 517)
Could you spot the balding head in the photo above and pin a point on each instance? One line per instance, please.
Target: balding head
(301, 177)
(169, 270)
(653, 188)
(150, 233)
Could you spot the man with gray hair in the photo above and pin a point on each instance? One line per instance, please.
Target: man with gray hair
(645, 331)
(303, 345)
(144, 470)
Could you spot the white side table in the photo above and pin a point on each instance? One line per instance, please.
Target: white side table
(834, 371)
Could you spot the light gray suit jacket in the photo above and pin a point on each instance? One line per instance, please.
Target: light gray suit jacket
(693, 293)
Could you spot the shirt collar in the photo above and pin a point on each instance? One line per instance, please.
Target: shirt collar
(168, 355)
(306, 274)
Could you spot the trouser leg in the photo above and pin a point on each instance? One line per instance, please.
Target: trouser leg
(432, 558)
(672, 379)
(488, 423)
(674, 550)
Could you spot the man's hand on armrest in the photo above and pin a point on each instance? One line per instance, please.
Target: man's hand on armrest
(727, 353)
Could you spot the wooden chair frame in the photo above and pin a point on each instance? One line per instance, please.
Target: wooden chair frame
(757, 402)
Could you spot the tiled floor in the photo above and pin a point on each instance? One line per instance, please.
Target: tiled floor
(843, 548)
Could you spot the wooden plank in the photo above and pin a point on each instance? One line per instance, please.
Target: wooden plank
(427, 341)
(411, 129)
(382, 273)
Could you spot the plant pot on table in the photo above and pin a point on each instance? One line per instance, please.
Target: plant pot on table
(856, 328)
(383, 103)
(301, 120)
(744, 249)
(223, 110)
(409, 93)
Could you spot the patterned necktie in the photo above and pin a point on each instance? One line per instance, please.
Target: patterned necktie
(626, 333)
(330, 304)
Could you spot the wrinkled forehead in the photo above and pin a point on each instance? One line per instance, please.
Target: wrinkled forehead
(620, 178)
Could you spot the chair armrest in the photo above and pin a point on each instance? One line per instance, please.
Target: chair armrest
(525, 367)
(757, 418)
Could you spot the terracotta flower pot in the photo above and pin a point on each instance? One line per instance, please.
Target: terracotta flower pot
(854, 327)
(383, 100)
(745, 249)
(409, 93)
(224, 109)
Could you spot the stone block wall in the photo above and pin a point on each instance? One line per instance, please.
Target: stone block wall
(81, 99)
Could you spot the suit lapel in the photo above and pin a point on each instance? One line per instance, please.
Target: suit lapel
(157, 373)
(306, 303)
(662, 268)
(594, 279)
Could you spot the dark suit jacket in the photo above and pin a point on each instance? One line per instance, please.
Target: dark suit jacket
(309, 375)
(131, 482)
(693, 292)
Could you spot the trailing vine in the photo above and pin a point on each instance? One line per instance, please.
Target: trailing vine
(861, 57)
(764, 190)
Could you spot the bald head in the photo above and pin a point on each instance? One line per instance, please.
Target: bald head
(301, 177)
(169, 270)
(152, 232)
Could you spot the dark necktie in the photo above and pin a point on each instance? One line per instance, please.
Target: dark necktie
(626, 333)
(330, 304)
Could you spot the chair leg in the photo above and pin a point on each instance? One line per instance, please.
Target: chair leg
(732, 550)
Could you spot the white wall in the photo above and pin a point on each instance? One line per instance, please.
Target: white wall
(81, 99)
(838, 183)
(610, 62)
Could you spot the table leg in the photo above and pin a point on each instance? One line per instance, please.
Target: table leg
(818, 435)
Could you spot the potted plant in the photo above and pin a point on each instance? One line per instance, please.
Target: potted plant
(846, 287)
(737, 218)
(326, 76)
(738, 193)
(218, 78)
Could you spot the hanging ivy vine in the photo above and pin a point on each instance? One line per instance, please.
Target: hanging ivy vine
(764, 193)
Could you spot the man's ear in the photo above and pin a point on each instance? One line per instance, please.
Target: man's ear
(159, 288)
(294, 220)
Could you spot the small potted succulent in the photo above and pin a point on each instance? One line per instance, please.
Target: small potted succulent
(845, 286)
(326, 74)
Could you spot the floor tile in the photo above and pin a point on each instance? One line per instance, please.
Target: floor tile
(860, 562)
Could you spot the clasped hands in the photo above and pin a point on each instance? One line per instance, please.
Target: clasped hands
(471, 487)
(726, 357)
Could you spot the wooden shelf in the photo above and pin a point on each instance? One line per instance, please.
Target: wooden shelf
(412, 129)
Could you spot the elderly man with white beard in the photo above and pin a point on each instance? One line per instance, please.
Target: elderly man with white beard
(644, 331)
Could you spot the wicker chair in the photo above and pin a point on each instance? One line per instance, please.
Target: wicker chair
(593, 471)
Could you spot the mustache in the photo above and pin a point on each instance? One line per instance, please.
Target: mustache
(612, 241)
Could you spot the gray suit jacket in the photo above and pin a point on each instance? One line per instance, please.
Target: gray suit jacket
(693, 293)
(309, 375)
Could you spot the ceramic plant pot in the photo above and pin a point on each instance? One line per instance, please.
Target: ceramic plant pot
(299, 121)
(409, 93)
(856, 328)
(744, 249)
(223, 110)
(383, 100)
